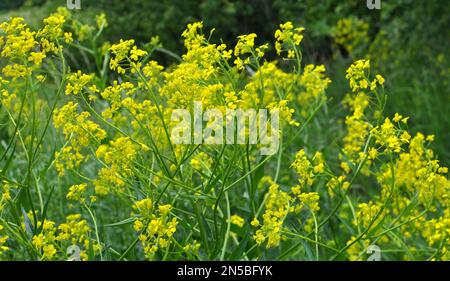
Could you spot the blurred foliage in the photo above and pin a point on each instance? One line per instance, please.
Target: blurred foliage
(405, 21)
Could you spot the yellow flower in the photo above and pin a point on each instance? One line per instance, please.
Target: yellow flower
(373, 152)
(16, 71)
(160, 229)
(192, 35)
(287, 38)
(255, 222)
(120, 52)
(76, 192)
(380, 79)
(164, 209)
(36, 58)
(77, 82)
(314, 82)
(245, 44)
(40, 78)
(136, 53)
(351, 33)
(144, 206)
(311, 200)
(68, 37)
(387, 136)
(277, 208)
(48, 252)
(397, 117)
(101, 20)
(237, 220)
(138, 225)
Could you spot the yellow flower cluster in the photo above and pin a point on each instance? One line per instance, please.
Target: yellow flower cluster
(113, 94)
(390, 137)
(125, 55)
(368, 213)
(310, 200)
(307, 170)
(237, 220)
(437, 232)
(44, 242)
(413, 178)
(358, 124)
(351, 33)
(79, 132)
(76, 232)
(246, 45)
(156, 227)
(52, 34)
(385, 185)
(51, 240)
(77, 192)
(314, 82)
(277, 208)
(5, 189)
(77, 82)
(193, 36)
(3, 239)
(118, 156)
(358, 77)
(288, 39)
(18, 41)
(336, 184)
(19, 47)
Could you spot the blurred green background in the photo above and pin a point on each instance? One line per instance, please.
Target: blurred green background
(406, 40)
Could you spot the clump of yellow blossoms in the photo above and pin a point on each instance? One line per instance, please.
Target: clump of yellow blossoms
(237, 220)
(75, 231)
(306, 170)
(77, 82)
(246, 45)
(358, 124)
(288, 39)
(76, 192)
(277, 207)
(79, 132)
(156, 227)
(103, 150)
(118, 156)
(351, 33)
(314, 83)
(6, 189)
(125, 55)
(19, 46)
(3, 240)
